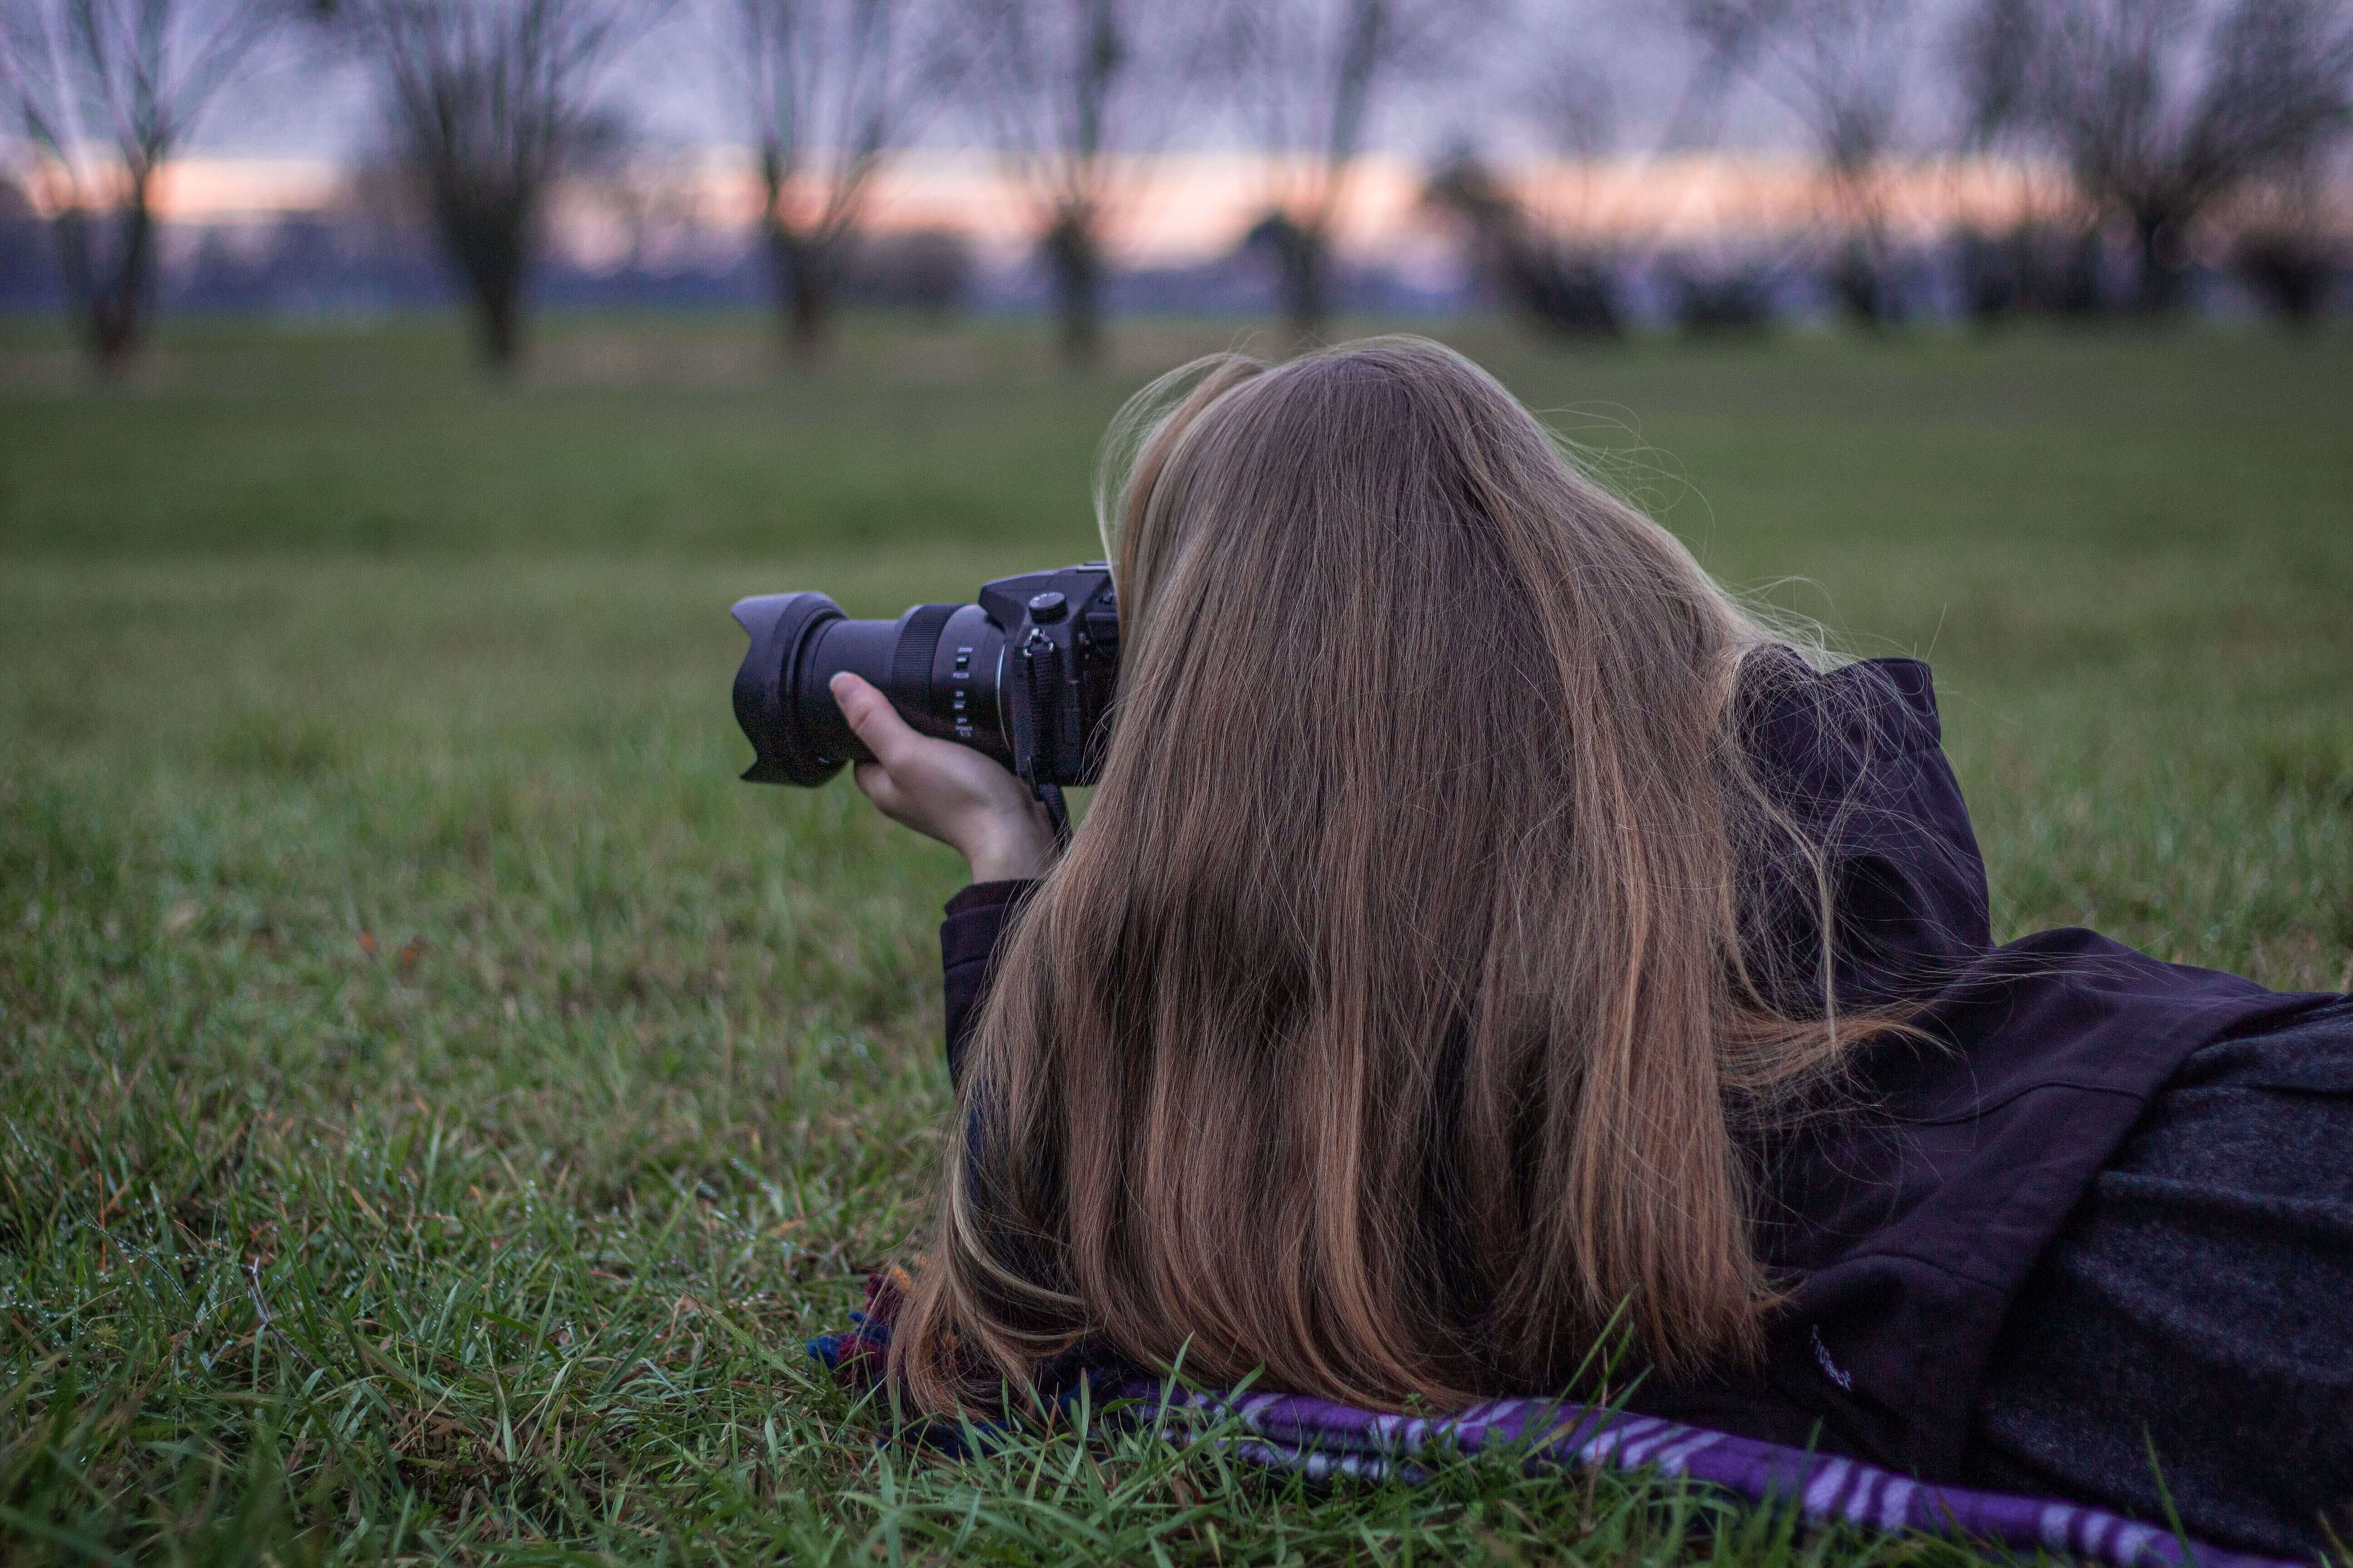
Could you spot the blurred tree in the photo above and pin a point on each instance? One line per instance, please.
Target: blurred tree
(27, 260)
(1844, 69)
(2164, 109)
(1724, 296)
(1567, 288)
(1569, 278)
(1310, 75)
(2044, 255)
(1072, 90)
(2290, 247)
(926, 270)
(829, 88)
(652, 195)
(102, 92)
(488, 103)
(1585, 226)
(1726, 36)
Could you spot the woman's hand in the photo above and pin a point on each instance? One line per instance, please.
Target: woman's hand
(947, 792)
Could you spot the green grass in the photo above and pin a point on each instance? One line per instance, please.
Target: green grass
(436, 1100)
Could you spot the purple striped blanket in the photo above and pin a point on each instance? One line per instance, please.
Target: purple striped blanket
(1325, 1440)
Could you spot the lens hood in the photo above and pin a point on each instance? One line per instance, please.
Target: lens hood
(780, 626)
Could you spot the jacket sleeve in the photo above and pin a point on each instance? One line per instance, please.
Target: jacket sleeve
(1854, 756)
(979, 919)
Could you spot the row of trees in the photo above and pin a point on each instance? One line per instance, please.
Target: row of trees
(2158, 111)
(2161, 115)
(2138, 120)
(490, 102)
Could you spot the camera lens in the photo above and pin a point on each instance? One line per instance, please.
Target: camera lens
(1026, 676)
(938, 664)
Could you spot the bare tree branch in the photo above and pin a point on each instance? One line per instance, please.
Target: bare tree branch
(489, 102)
(2045, 257)
(2280, 87)
(1313, 75)
(102, 93)
(829, 88)
(1072, 90)
(1843, 68)
(1573, 100)
(2164, 108)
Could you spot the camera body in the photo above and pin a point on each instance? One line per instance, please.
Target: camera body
(1026, 675)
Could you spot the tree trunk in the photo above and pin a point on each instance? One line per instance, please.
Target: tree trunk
(1992, 268)
(2157, 232)
(1860, 279)
(1306, 256)
(800, 274)
(491, 253)
(114, 326)
(812, 312)
(2288, 271)
(1572, 294)
(487, 235)
(1076, 262)
(109, 296)
(498, 324)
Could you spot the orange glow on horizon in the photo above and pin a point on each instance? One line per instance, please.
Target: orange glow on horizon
(1187, 207)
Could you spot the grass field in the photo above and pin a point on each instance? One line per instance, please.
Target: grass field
(436, 1100)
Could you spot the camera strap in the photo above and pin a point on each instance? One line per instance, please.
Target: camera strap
(1058, 812)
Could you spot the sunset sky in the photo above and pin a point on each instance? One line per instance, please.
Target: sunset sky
(1184, 207)
(284, 138)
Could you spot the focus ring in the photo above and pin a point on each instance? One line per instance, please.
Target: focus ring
(919, 641)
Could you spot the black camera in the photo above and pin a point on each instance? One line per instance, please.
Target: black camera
(1025, 675)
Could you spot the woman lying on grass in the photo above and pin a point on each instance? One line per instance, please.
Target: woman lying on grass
(1484, 930)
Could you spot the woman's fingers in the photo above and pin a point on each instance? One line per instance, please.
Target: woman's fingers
(914, 779)
(871, 718)
(950, 792)
(874, 783)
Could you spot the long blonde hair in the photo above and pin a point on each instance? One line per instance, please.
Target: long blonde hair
(1388, 1025)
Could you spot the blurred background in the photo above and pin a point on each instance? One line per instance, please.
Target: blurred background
(395, 395)
(1587, 167)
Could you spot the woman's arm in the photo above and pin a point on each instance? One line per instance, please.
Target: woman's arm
(977, 921)
(962, 798)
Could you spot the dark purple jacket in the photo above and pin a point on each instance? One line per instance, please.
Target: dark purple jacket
(1903, 1226)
